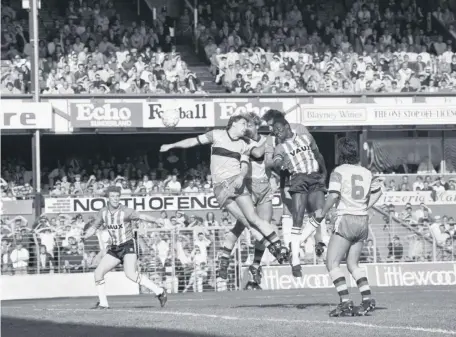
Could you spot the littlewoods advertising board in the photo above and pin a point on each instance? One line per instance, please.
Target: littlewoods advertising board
(379, 275)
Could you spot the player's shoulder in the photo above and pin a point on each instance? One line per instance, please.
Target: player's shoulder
(351, 169)
(299, 129)
(216, 133)
(102, 210)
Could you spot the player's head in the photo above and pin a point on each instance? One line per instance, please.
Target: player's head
(113, 195)
(348, 151)
(238, 125)
(270, 115)
(281, 129)
(253, 125)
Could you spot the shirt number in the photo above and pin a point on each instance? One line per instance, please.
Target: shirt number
(358, 192)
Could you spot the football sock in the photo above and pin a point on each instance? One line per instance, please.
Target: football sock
(338, 278)
(145, 282)
(228, 245)
(101, 293)
(271, 239)
(287, 225)
(310, 228)
(363, 285)
(295, 245)
(258, 254)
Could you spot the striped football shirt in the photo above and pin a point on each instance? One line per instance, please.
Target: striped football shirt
(297, 155)
(119, 223)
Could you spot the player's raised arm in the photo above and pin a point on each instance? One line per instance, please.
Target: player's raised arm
(146, 217)
(376, 191)
(269, 151)
(206, 138)
(259, 151)
(278, 159)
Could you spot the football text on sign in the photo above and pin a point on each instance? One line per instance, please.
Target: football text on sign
(147, 204)
(19, 115)
(191, 112)
(106, 114)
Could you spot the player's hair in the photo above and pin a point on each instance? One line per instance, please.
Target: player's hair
(348, 151)
(235, 119)
(253, 118)
(272, 114)
(114, 189)
(280, 120)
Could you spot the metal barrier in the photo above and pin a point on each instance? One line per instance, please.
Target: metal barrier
(186, 259)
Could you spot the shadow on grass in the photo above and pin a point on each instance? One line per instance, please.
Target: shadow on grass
(14, 327)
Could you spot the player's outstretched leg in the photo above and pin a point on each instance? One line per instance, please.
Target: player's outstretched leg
(228, 245)
(316, 201)
(262, 230)
(255, 269)
(337, 248)
(299, 202)
(360, 276)
(134, 275)
(107, 263)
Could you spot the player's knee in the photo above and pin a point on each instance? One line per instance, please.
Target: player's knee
(133, 276)
(331, 264)
(99, 274)
(352, 266)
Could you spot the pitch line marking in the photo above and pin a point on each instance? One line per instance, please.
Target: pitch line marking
(171, 299)
(276, 320)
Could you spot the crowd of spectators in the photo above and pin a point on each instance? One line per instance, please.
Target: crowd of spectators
(374, 47)
(431, 236)
(446, 16)
(93, 50)
(436, 184)
(251, 46)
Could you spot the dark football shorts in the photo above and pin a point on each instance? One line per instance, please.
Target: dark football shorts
(306, 183)
(225, 191)
(353, 228)
(119, 251)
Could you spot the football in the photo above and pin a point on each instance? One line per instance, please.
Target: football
(170, 118)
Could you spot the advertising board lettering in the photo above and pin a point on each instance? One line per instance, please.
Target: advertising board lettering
(109, 114)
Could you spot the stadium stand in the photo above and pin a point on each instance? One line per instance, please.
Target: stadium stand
(88, 48)
(372, 47)
(251, 47)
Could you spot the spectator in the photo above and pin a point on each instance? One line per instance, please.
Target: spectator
(202, 242)
(7, 266)
(172, 185)
(73, 260)
(439, 232)
(20, 259)
(395, 250)
(369, 253)
(44, 261)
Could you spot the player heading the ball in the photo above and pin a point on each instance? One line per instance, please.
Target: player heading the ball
(229, 166)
